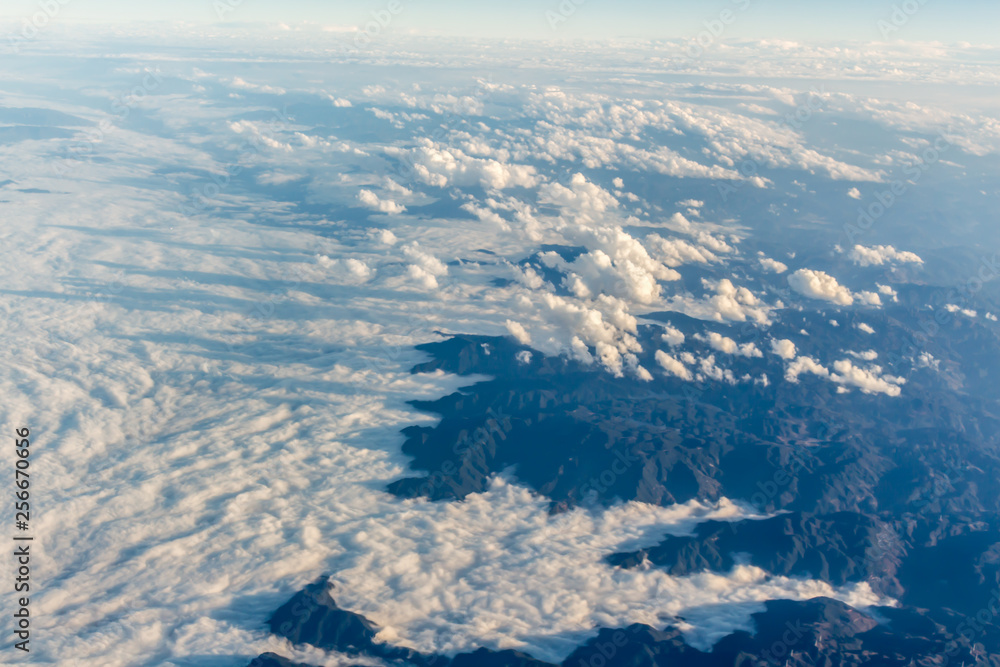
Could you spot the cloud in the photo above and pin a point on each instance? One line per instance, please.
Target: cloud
(240, 84)
(278, 178)
(372, 201)
(820, 285)
(677, 252)
(727, 345)
(866, 328)
(869, 381)
(617, 264)
(772, 265)
(869, 298)
(968, 312)
(729, 303)
(320, 372)
(349, 270)
(927, 360)
(518, 332)
(383, 236)
(882, 254)
(709, 370)
(672, 366)
(804, 365)
(783, 348)
(426, 268)
(672, 336)
(854, 193)
(582, 196)
(888, 291)
(442, 166)
(603, 324)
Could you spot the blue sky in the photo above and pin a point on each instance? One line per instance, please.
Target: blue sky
(952, 21)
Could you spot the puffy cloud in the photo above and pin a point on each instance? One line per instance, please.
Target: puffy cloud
(350, 270)
(635, 369)
(554, 142)
(869, 381)
(441, 167)
(486, 215)
(727, 345)
(603, 324)
(677, 252)
(579, 351)
(240, 84)
(804, 365)
(888, 291)
(869, 298)
(709, 370)
(866, 328)
(772, 265)
(927, 360)
(422, 277)
(523, 357)
(952, 308)
(882, 254)
(426, 268)
(259, 134)
(673, 366)
(372, 201)
(868, 355)
(617, 264)
(820, 285)
(784, 348)
(735, 304)
(383, 236)
(582, 196)
(528, 277)
(672, 336)
(854, 193)
(517, 330)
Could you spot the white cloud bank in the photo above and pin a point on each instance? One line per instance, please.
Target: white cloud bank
(820, 285)
(882, 254)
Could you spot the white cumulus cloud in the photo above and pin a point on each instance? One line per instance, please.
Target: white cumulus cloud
(820, 285)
